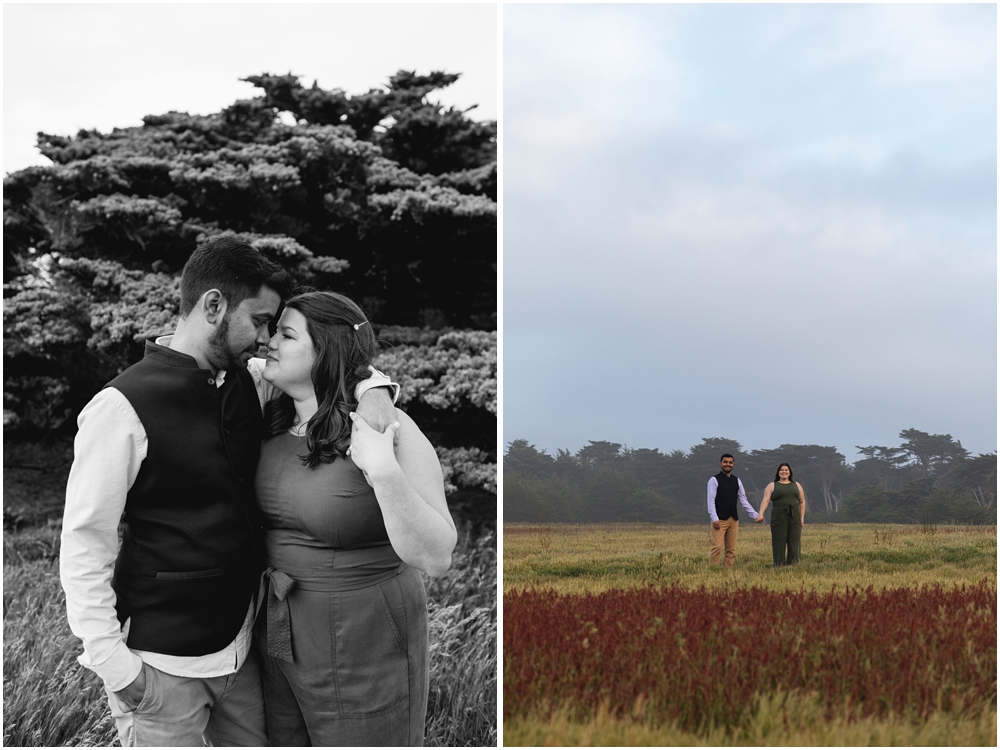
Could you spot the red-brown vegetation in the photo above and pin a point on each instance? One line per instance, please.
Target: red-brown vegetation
(698, 657)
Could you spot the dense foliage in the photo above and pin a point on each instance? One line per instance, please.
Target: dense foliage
(385, 196)
(927, 479)
(699, 656)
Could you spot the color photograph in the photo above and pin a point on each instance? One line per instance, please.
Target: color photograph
(749, 374)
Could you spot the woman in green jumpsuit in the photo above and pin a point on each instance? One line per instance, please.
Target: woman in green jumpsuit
(788, 516)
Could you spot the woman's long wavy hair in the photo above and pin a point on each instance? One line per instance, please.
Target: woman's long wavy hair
(790, 475)
(343, 354)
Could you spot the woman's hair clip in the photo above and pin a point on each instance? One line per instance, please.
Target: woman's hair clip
(358, 325)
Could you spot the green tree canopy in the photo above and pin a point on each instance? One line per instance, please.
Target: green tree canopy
(604, 482)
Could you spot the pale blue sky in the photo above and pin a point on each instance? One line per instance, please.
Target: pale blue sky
(771, 223)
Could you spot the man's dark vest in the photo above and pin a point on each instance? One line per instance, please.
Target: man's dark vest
(726, 496)
(191, 547)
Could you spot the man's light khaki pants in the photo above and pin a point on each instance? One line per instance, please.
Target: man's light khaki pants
(725, 534)
(191, 712)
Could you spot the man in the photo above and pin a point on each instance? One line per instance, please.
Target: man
(169, 449)
(724, 490)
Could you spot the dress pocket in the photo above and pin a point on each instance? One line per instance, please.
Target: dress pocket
(370, 659)
(395, 612)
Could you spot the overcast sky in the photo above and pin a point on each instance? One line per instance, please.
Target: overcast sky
(775, 224)
(76, 66)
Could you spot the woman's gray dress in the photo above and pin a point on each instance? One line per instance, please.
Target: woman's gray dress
(344, 638)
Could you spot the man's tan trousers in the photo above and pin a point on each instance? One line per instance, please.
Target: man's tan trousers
(724, 535)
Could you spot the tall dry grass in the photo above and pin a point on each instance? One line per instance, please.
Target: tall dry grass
(462, 706)
(50, 700)
(778, 720)
(578, 558)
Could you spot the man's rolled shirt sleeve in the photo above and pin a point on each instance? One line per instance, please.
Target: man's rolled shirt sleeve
(108, 451)
(378, 379)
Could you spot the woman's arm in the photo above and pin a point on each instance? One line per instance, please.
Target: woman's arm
(375, 402)
(409, 487)
(764, 502)
(802, 504)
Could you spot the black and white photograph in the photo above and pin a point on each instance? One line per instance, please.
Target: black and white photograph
(250, 375)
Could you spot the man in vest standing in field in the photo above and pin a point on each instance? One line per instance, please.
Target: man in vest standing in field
(169, 449)
(724, 490)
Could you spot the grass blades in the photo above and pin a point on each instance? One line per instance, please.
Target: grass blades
(575, 558)
(462, 706)
(782, 720)
(50, 700)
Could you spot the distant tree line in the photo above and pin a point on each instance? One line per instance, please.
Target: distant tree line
(926, 479)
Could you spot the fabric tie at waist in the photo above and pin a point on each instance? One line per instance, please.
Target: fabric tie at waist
(786, 509)
(279, 631)
(276, 585)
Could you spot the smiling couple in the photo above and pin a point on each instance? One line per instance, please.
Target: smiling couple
(788, 514)
(273, 514)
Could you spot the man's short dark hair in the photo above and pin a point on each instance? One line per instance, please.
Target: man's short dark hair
(726, 455)
(233, 267)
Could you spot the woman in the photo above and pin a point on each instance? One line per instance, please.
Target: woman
(788, 516)
(348, 522)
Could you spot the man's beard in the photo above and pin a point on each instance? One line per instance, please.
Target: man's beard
(218, 345)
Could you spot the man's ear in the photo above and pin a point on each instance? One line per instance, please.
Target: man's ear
(213, 306)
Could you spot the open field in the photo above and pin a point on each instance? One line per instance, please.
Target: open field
(624, 635)
(777, 721)
(574, 558)
(50, 700)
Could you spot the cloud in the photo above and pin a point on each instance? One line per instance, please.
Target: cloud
(590, 61)
(680, 207)
(867, 78)
(916, 45)
(801, 225)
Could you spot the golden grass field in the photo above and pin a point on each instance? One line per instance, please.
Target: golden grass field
(780, 721)
(577, 559)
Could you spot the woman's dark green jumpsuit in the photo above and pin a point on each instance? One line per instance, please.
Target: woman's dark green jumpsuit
(786, 524)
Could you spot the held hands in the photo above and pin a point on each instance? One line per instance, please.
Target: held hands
(372, 450)
(759, 518)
